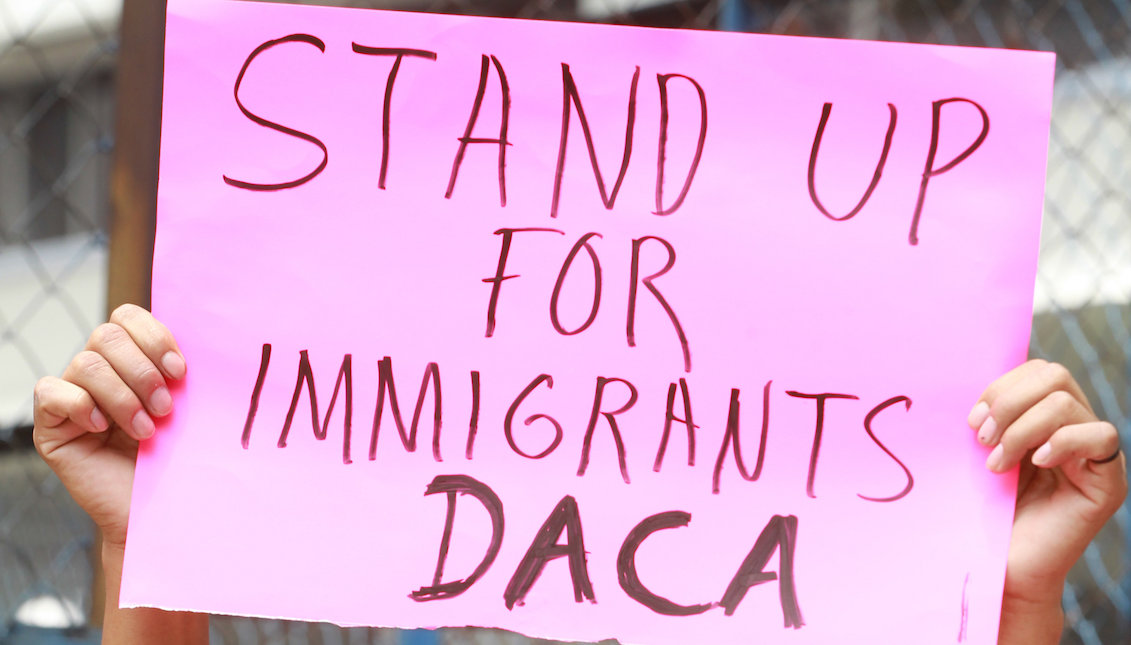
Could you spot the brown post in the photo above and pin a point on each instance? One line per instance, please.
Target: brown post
(133, 189)
(133, 179)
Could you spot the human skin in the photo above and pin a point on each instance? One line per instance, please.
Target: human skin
(87, 428)
(1037, 417)
(88, 424)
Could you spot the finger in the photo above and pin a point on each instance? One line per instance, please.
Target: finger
(1035, 426)
(62, 412)
(981, 411)
(152, 337)
(1077, 452)
(1094, 441)
(90, 371)
(133, 367)
(1010, 396)
(57, 401)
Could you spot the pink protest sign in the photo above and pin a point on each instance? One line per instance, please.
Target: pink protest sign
(584, 331)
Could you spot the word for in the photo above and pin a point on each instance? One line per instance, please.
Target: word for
(601, 410)
(496, 283)
(779, 534)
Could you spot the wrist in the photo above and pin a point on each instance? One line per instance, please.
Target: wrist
(144, 625)
(1031, 621)
(113, 555)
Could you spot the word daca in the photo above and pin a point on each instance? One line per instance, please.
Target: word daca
(571, 100)
(779, 534)
(386, 389)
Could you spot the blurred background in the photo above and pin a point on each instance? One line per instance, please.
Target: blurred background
(79, 115)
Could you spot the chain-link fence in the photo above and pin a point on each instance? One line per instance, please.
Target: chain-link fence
(57, 79)
(56, 107)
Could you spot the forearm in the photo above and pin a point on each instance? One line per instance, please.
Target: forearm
(1030, 622)
(136, 626)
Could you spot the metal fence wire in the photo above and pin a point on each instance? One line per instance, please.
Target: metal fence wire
(57, 79)
(56, 104)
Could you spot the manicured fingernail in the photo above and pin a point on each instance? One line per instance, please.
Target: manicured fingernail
(174, 365)
(1042, 455)
(978, 415)
(142, 425)
(993, 462)
(161, 402)
(988, 430)
(99, 419)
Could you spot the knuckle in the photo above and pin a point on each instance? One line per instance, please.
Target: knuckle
(107, 335)
(82, 402)
(124, 402)
(149, 373)
(125, 313)
(89, 365)
(149, 376)
(42, 392)
(1063, 405)
(1056, 375)
(1004, 411)
(1012, 443)
(1109, 436)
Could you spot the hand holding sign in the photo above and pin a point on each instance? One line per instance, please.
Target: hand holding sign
(89, 421)
(87, 427)
(1073, 478)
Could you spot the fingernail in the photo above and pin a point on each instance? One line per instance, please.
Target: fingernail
(142, 425)
(161, 402)
(978, 415)
(1042, 455)
(988, 430)
(174, 365)
(99, 420)
(993, 462)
